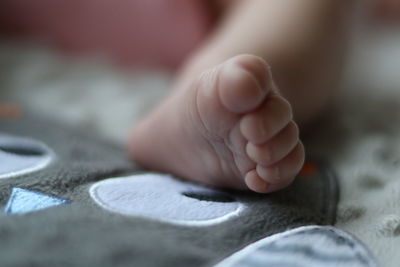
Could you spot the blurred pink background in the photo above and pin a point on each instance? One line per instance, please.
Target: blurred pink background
(133, 32)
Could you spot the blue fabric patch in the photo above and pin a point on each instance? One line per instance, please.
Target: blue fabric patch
(23, 201)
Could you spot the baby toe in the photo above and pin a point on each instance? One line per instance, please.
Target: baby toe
(259, 126)
(276, 148)
(284, 171)
(257, 66)
(244, 82)
(255, 183)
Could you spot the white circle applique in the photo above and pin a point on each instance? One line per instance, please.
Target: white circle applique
(163, 198)
(19, 156)
(305, 246)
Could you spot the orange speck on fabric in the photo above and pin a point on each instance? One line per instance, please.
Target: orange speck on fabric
(309, 169)
(10, 111)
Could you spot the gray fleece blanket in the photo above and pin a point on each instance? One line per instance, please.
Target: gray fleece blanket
(70, 199)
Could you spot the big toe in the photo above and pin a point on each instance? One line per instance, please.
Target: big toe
(244, 81)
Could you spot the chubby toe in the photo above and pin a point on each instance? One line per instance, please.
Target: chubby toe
(285, 170)
(261, 125)
(257, 66)
(276, 148)
(255, 183)
(243, 83)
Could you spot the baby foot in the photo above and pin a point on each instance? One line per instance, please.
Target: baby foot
(230, 128)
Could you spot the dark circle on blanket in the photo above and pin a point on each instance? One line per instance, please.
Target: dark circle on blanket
(23, 151)
(209, 196)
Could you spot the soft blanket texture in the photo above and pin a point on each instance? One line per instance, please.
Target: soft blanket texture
(360, 137)
(76, 212)
(308, 246)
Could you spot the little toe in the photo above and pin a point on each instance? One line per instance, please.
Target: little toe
(275, 149)
(261, 125)
(284, 171)
(243, 83)
(255, 183)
